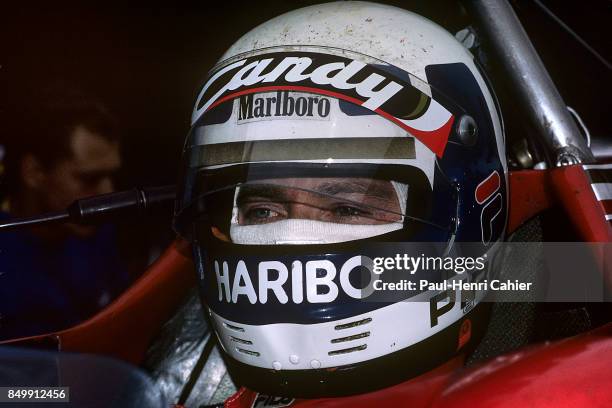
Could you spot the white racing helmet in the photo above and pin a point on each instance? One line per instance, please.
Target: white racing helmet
(324, 139)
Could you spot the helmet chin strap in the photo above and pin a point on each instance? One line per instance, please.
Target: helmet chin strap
(303, 232)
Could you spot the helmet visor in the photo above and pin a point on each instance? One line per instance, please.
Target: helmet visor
(311, 203)
(318, 143)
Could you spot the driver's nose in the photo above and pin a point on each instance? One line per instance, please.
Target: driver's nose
(305, 206)
(305, 212)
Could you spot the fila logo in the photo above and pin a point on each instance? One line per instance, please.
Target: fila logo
(487, 194)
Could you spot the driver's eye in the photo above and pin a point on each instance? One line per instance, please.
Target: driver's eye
(260, 215)
(347, 211)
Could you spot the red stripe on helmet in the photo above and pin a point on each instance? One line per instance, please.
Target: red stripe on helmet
(434, 140)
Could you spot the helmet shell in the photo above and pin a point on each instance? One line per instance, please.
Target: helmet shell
(475, 168)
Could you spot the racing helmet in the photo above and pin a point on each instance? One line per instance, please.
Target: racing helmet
(322, 141)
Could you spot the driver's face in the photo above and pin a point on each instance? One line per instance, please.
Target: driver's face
(343, 200)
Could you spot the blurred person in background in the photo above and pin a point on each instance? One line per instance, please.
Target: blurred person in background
(63, 147)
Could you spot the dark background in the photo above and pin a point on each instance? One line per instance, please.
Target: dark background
(146, 62)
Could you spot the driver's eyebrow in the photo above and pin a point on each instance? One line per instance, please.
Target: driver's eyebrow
(367, 188)
(331, 188)
(260, 191)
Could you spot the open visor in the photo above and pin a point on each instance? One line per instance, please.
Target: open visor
(312, 203)
(310, 145)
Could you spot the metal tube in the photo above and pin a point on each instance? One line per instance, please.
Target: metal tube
(535, 91)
